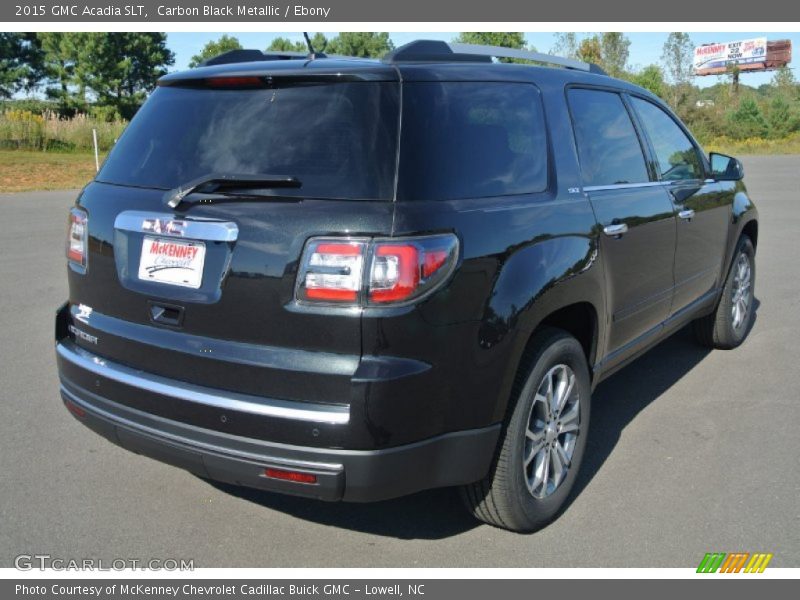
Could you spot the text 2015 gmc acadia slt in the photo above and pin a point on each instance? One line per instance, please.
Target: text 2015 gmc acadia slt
(355, 279)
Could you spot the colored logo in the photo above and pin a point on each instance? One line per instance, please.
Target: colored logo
(735, 562)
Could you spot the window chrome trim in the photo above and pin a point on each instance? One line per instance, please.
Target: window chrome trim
(269, 407)
(665, 183)
(622, 186)
(191, 228)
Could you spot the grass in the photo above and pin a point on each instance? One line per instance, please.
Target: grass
(788, 145)
(24, 171)
(48, 132)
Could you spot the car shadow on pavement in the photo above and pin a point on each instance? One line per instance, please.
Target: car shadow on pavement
(429, 515)
(618, 399)
(438, 514)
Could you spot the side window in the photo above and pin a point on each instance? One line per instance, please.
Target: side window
(608, 147)
(471, 140)
(676, 156)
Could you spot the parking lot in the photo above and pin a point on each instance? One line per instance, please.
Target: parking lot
(690, 451)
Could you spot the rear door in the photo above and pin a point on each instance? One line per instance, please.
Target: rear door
(703, 206)
(636, 220)
(227, 316)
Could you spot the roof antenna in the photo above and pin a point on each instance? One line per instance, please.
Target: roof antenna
(312, 54)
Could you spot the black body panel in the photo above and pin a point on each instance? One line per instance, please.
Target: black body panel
(432, 378)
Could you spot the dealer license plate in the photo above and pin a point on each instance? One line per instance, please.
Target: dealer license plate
(172, 262)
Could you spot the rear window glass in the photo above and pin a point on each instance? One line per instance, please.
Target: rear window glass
(471, 140)
(338, 139)
(608, 147)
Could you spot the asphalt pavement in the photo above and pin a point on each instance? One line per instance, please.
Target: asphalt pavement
(690, 451)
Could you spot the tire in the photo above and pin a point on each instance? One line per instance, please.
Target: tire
(509, 497)
(724, 329)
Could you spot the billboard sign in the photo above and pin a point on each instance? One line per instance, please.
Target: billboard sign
(719, 56)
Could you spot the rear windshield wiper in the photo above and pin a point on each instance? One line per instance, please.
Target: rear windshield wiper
(220, 182)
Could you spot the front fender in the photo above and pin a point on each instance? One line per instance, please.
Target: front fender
(744, 212)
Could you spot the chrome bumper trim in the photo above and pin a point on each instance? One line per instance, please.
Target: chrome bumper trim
(285, 409)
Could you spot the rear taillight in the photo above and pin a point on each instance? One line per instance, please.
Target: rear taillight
(332, 271)
(77, 235)
(359, 272)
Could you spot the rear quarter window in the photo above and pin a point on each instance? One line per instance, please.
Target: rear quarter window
(471, 140)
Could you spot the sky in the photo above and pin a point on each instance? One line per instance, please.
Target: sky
(645, 47)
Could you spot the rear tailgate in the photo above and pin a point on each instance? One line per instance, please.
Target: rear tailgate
(228, 319)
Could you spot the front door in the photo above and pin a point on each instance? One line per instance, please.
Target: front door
(703, 207)
(636, 219)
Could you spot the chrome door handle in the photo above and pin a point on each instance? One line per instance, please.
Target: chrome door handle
(615, 230)
(686, 215)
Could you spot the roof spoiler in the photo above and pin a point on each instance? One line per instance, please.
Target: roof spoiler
(238, 56)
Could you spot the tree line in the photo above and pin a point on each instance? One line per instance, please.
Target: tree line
(110, 74)
(723, 110)
(360, 44)
(107, 73)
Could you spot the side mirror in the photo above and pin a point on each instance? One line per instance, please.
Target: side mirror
(725, 168)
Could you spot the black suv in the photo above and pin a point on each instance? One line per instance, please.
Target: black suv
(352, 280)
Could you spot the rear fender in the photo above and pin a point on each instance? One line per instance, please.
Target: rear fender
(533, 283)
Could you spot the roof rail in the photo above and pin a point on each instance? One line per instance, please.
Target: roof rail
(237, 56)
(436, 50)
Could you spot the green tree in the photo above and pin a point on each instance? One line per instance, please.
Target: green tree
(747, 121)
(124, 67)
(614, 51)
(785, 83)
(566, 45)
(782, 117)
(59, 59)
(282, 44)
(20, 62)
(706, 121)
(784, 78)
(651, 78)
(66, 65)
(514, 39)
(590, 50)
(365, 44)
(214, 48)
(319, 42)
(677, 57)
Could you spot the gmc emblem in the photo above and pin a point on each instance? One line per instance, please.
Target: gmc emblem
(165, 226)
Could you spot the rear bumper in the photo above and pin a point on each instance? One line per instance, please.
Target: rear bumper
(351, 475)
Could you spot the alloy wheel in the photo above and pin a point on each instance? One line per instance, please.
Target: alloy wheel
(552, 430)
(742, 287)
